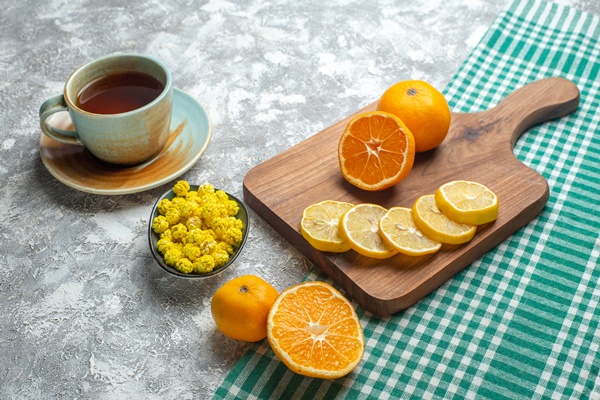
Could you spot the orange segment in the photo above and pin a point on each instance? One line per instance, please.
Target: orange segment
(376, 151)
(315, 331)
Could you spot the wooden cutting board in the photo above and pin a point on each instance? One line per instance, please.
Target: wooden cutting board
(479, 147)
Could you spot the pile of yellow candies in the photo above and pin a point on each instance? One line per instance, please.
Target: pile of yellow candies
(198, 229)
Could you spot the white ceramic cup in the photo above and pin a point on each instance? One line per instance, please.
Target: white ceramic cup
(123, 139)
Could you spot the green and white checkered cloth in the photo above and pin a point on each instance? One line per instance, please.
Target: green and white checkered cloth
(523, 321)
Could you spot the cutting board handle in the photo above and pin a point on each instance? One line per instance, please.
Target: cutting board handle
(535, 103)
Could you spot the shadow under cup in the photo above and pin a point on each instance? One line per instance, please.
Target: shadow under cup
(125, 138)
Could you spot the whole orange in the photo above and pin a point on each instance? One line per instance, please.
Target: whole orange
(240, 307)
(422, 108)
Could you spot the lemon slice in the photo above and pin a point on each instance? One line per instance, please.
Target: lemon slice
(467, 202)
(398, 229)
(359, 227)
(319, 225)
(435, 224)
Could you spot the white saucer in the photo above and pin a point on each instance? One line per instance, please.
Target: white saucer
(73, 165)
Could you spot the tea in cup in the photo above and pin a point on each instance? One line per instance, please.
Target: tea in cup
(120, 106)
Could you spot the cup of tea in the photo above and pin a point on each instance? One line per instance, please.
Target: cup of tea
(120, 106)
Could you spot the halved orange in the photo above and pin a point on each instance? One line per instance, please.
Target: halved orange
(315, 331)
(376, 151)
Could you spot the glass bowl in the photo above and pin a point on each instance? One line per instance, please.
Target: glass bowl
(153, 238)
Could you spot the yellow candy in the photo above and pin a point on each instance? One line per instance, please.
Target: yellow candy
(198, 229)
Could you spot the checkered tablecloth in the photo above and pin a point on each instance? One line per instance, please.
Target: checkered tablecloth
(523, 321)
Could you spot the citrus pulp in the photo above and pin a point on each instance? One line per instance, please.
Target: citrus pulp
(315, 331)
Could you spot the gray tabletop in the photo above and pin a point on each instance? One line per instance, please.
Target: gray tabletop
(85, 310)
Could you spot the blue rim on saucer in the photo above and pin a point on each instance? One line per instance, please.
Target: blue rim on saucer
(153, 238)
(73, 165)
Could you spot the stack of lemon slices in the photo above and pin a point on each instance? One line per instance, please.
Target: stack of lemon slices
(450, 216)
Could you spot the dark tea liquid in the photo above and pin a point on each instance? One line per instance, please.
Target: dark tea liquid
(119, 93)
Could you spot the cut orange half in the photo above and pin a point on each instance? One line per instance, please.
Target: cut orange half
(315, 331)
(376, 151)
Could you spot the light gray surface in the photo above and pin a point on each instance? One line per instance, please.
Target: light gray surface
(86, 313)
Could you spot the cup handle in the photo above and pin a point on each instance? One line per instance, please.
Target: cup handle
(49, 107)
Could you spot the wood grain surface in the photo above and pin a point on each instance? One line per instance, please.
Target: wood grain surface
(479, 147)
